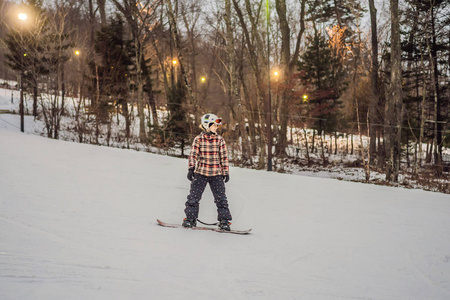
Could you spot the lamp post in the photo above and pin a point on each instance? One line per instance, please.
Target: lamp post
(22, 18)
(21, 106)
(77, 54)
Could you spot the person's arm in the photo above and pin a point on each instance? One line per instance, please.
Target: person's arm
(224, 158)
(194, 153)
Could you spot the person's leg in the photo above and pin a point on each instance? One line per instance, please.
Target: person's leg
(198, 185)
(218, 189)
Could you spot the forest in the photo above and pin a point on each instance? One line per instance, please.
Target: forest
(295, 81)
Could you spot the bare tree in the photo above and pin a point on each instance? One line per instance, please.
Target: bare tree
(254, 44)
(176, 37)
(234, 90)
(288, 62)
(56, 46)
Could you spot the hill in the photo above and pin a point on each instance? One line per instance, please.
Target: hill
(79, 222)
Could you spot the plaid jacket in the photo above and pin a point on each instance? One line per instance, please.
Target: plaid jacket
(209, 155)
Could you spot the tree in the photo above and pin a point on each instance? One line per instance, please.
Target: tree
(57, 47)
(374, 100)
(236, 104)
(322, 70)
(177, 125)
(141, 17)
(253, 40)
(394, 101)
(111, 72)
(288, 60)
(425, 39)
(26, 53)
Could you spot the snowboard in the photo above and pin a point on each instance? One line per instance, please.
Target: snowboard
(203, 228)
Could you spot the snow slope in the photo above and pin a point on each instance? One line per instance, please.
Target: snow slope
(79, 222)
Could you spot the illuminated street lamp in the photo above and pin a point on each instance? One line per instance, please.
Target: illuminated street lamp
(77, 52)
(173, 70)
(305, 98)
(203, 79)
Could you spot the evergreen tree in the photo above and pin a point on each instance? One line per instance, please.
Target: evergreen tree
(343, 13)
(111, 71)
(177, 126)
(321, 70)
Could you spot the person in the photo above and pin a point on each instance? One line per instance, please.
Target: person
(208, 163)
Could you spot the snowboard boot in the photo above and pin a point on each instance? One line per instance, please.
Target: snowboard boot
(189, 223)
(224, 225)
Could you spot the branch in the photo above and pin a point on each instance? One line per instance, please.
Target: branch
(300, 34)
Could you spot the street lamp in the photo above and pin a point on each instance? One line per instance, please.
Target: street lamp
(173, 70)
(77, 52)
(22, 17)
(305, 98)
(203, 79)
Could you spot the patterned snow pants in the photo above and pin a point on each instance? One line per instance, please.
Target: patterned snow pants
(198, 186)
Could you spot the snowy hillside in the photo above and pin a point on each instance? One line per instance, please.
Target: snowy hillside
(79, 222)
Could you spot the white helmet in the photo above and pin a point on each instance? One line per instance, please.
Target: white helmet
(209, 119)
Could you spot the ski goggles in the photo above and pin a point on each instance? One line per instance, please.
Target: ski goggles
(218, 121)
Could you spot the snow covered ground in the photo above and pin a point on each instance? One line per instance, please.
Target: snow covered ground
(79, 222)
(337, 169)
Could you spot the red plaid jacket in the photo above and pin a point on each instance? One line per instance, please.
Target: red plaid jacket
(209, 155)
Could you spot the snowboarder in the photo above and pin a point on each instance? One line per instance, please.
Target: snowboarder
(208, 163)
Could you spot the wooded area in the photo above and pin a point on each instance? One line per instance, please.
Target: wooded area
(305, 76)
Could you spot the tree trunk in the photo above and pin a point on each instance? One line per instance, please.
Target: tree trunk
(439, 119)
(257, 73)
(91, 23)
(63, 90)
(374, 78)
(176, 39)
(140, 89)
(394, 105)
(102, 9)
(35, 97)
(234, 87)
(287, 62)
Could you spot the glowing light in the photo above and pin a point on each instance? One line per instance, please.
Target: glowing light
(23, 17)
(276, 73)
(174, 62)
(203, 79)
(77, 52)
(305, 98)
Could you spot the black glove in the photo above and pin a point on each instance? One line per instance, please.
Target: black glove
(190, 174)
(226, 178)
